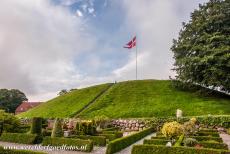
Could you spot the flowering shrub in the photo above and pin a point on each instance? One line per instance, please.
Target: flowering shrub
(172, 129)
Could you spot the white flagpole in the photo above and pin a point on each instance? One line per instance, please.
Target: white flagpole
(136, 57)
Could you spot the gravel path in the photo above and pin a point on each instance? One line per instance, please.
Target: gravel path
(96, 150)
(129, 149)
(226, 139)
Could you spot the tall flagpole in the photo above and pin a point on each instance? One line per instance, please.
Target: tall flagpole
(136, 57)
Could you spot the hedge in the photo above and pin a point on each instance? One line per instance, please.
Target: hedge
(12, 151)
(155, 141)
(110, 129)
(214, 145)
(159, 149)
(59, 141)
(117, 133)
(110, 137)
(36, 126)
(97, 140)
(179, 141)
(159, 137)
(208, 130)
(213, 134)
(206, 138)
(121, 143)
(20, 138)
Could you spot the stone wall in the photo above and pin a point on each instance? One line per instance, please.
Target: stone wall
(129, 124)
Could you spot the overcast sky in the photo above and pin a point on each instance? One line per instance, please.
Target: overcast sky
(49, 45)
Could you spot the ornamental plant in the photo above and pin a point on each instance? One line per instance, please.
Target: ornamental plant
(172, 129)
(189, 127)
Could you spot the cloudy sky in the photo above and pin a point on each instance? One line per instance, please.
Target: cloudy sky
(49, 45)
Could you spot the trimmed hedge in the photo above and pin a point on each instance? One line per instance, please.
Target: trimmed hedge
(117, 133)
(155, 141)
(214, 145)
(159, 149)
(213, 134)
(111, 129)
(20, 138)
(97, 140)
(12, 151)
(206, 138)
(179, 141)
(36, 126)
(159, 137)
(110, 137)
(59, 141)
(121, 143)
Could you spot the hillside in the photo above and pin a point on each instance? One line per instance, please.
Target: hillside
(144, 98)
(68, 104)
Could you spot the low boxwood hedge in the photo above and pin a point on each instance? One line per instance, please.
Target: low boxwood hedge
(20, 138)
(214, 145)
(159, 149)
(12, 151)
(158, 137)
(213, 134)
(206, 138)
(117, 133)
(97, 140)
(110, 137)
(81, 145)
(111, 129)
(155, 141)
(121, 143)
(179, 141)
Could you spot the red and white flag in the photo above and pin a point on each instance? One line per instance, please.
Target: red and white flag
(131, 43)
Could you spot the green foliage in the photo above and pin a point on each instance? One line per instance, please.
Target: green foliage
(8, 122)
(58, 141)
(20, 138)
(110, 137)
(172, 129)
(202, 50)
(179, 141)
(213, 134)
(36, 126)
(117, 133)
(10, 99)
(121, 143)
(159, 149)
(190, 142)
(158, 137)
(57, 128)
(205, 138)
(97, 140)
(101, 120)
(110, 129)
(11, 151)
(156, 141)
(66, 105)
(153, 98)
(46, 132)
(207, 144)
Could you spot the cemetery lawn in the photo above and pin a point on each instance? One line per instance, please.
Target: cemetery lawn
(132, 99)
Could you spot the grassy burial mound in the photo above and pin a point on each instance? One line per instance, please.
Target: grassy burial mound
(131, 99)
(147, 98)
(68, 104)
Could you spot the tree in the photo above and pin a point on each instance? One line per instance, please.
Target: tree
(202, 51)
(10, 99)
(62, 92)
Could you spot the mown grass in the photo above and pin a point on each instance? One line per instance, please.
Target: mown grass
(149, 98)
(66, 105)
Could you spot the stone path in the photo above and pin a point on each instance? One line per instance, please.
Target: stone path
(129, 149)
(96, 150)
(226, 139)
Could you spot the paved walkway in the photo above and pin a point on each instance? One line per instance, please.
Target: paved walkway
(96, 150)
(129, 149)
(226, 139)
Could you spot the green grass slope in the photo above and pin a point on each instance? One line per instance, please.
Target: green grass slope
(149, 98)
(66, 105)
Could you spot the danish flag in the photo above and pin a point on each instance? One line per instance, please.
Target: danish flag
(131, 43)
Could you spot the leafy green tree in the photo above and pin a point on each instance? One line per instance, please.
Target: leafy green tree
(202, 51)
(10, 99)
(63, 92)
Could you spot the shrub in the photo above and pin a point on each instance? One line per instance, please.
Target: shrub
(110, 137)
(155, 141)
(206, 144)
(19, 138)
(111, 129)
(36, 127)
(159, 149)
(9, 123)
(46, 132)
(57, 128)
(87, 127)
(121, 143)
(117, 133)
(82, 145)
(101, 121)
(190, 142)
(205, 138)
(158, 137)
(97, 140)
(189, 127)
(213, 134)
(180, 140)
(172, 129)
(12, 151)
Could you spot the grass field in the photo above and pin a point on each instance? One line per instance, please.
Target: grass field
(132, 99)
(66, 105)
(149, 98)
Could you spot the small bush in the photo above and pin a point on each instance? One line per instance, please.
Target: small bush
(155, 141)
(82, 145)
(97, 140)
(19, 138)
(121, 143)
(172, 129)
(159, 149)
(206, 144)
(11, 151)
(57, 128)
(190, 142)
